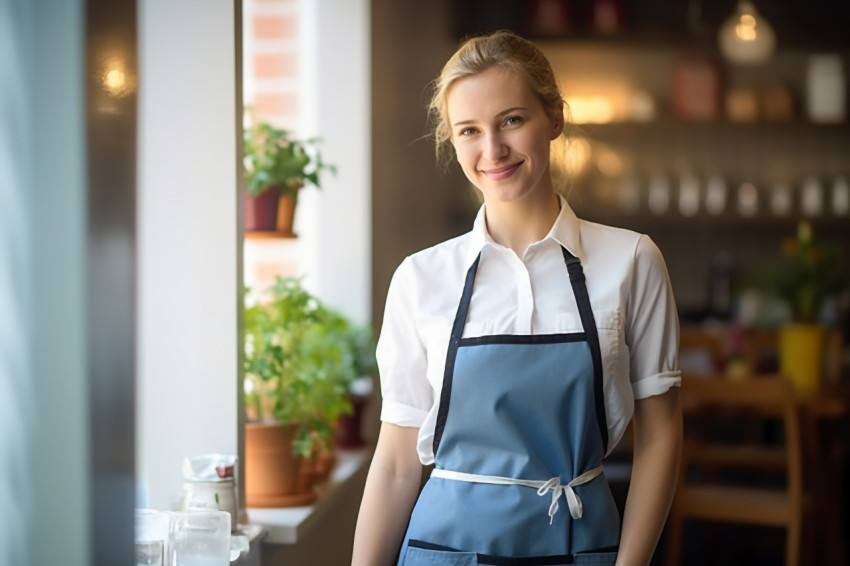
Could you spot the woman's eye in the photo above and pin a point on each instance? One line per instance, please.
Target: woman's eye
(467, 131)
(513, 121)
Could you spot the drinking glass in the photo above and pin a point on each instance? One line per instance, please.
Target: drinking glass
(149, 553)
(199, 537)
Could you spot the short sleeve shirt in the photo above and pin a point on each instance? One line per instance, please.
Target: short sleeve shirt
(629, 292)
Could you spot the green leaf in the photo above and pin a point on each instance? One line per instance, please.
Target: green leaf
(300, 359)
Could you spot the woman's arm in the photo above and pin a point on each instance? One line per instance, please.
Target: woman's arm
(658, 442)
(391, 490)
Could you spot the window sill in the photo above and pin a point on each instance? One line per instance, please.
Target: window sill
(256, 534)
(291, 524)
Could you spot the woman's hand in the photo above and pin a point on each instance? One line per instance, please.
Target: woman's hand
(657, 446)
(391, 490)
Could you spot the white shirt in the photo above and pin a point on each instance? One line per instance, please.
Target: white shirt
(629, 292)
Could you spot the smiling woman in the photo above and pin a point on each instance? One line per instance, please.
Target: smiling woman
(502, 134)
(513, 357)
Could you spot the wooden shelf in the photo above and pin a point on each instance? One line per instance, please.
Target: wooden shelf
(270, 235)
(670, 125)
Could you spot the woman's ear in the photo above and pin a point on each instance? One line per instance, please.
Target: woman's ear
(558, 123)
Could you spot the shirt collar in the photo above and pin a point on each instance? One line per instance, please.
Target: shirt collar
(565, 232)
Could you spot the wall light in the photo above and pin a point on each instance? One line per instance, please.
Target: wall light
(591, 109)
(114, 79)
(746, 37)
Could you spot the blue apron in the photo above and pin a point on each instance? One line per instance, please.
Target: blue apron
(520, 434)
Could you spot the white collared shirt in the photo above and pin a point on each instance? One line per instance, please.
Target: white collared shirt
(629, 292)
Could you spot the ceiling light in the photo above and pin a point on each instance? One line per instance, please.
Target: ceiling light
(746, 37)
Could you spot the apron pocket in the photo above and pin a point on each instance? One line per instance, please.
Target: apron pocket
(418, 556)
(420, 553)
(596, 558)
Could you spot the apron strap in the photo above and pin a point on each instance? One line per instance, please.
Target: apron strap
(542, 486)
(451, 355)
(579, 284)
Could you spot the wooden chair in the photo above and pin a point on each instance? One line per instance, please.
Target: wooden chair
(701, 350)
(711, 456)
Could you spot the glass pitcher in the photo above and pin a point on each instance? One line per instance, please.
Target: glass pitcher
(201, 537)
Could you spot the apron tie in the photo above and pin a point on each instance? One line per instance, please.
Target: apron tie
(554, 485)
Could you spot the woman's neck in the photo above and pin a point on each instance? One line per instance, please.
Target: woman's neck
(518, 224)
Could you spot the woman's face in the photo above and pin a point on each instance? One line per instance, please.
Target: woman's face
(501, 135)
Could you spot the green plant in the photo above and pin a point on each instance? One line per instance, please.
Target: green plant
(300, 358)
(274, 159)
(809, 273)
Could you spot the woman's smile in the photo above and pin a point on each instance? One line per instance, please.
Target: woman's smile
(500, 173)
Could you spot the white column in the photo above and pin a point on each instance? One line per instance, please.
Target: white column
(57, 411)
(335, 223)
(188, 288)
(16, 410)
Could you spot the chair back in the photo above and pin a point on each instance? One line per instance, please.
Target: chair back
(768, 397)
(726, 439)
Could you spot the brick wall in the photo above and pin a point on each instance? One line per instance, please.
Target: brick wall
(271, 60)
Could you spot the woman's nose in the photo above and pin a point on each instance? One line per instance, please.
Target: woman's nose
(495, 148)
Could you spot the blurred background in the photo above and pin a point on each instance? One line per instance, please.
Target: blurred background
(716, 160)
(718, 128)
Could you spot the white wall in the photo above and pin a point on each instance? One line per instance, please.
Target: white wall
(335, 224)
(187, 236)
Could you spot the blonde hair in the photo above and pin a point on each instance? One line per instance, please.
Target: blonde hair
(512, 53)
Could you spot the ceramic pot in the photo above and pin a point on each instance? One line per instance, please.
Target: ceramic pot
(801, 349)
(261, 211)
(347, 433)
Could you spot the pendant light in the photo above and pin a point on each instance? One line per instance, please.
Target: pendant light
(746, 37)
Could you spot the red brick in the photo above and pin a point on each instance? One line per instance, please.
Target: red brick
(268, 106)
(274, 27)
(274, 66)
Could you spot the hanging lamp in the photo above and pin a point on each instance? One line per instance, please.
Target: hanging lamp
(746, 37)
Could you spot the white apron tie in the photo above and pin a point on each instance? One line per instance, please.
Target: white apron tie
(554, 485)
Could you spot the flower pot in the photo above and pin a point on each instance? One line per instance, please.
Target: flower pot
(285, 219)
(801, 348)
(261, 211)
(348, 427)
(272, 473)
(317, 468)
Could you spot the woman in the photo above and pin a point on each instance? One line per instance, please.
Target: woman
(514, 356)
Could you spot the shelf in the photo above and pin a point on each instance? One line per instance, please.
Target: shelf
(674, 223)
(815, 26)
(672, 124)
(291, 524)
(270, 235)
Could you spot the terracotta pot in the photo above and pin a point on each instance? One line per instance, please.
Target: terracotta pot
(286, 214)
(325, 462)
(316, 469)
(272, 473)
(261, 212)
(308, 474)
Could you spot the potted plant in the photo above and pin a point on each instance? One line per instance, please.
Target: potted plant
(276, 167)
(810, 273)
(348, 427)
(299, 364)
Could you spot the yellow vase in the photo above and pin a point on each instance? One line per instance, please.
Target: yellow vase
(801, 356)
